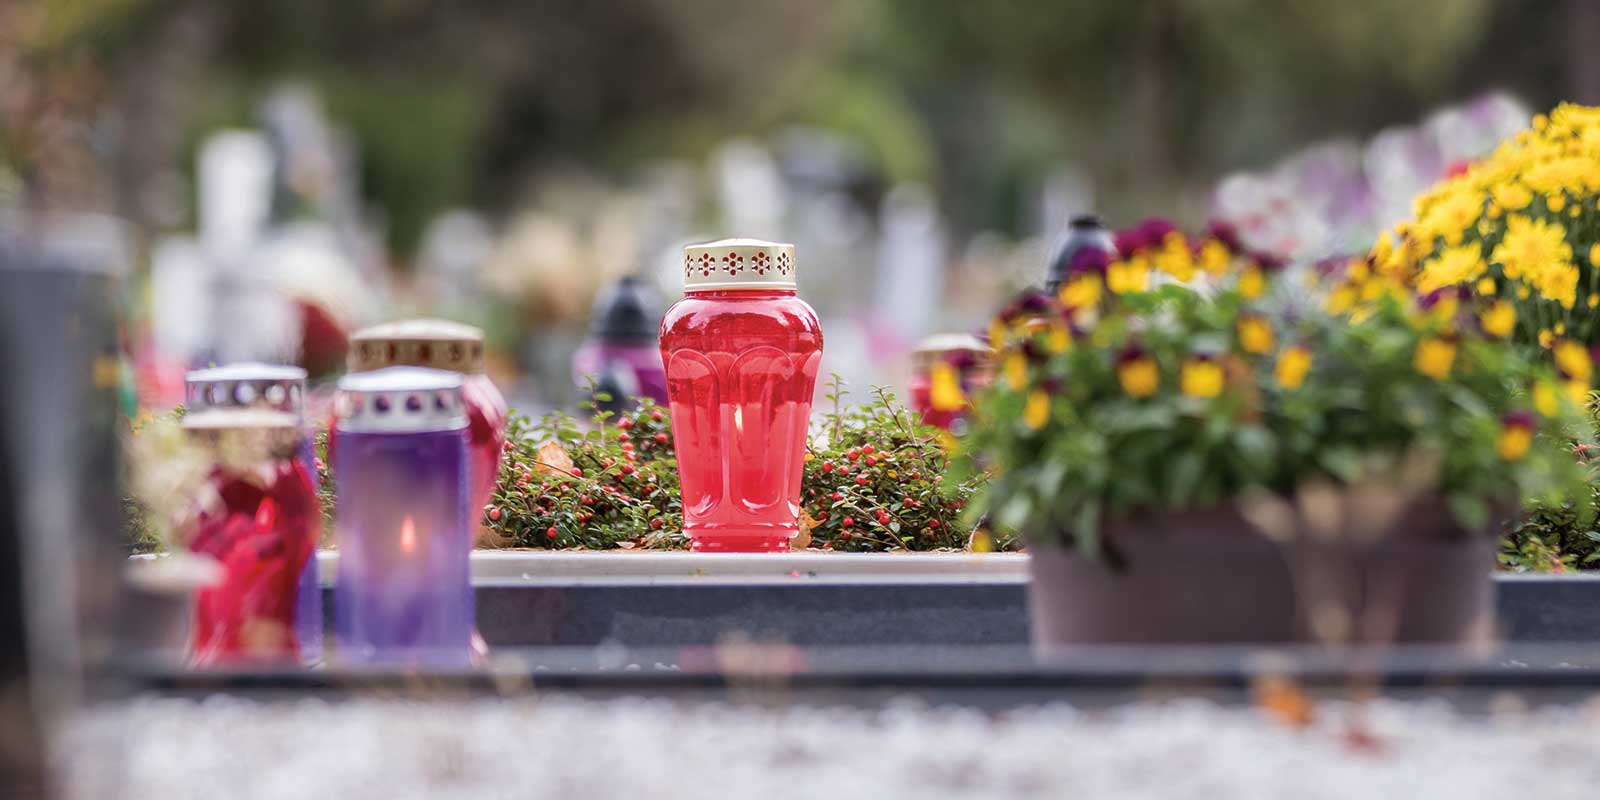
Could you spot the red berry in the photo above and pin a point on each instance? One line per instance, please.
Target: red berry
(852, 454)
(631, 456)
(494, 514)
(916, 476)
(655, 524)
(908, 503)
(848, 522)
(550, 532)
(577, 472)
(871, 461)
(933, 523)
(587, 500)
(623, 437)
(867, 449)
(844, 534)
(627, 469)
(627, 447)
(836, 496)
(624, 424)
(827, 466)
(861, 480)
(522, 482)
(822, 516)
(655, 414)
(661, 438)
(844, 469)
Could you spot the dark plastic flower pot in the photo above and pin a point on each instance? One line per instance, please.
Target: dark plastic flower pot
(1207, 577)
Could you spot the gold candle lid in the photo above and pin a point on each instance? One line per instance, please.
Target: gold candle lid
(432, 343)
(938, 346)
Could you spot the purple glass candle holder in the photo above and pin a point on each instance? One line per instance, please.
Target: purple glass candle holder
(400, 471)
(280, 388)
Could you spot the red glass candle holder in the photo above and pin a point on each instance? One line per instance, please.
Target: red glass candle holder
(742, 353)
(257, 517)
(452, 346)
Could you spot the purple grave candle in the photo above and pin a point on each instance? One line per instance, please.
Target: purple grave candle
(281, 388)
(404, 589)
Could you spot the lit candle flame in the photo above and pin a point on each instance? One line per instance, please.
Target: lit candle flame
(408, 535)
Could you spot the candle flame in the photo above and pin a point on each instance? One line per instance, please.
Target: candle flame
(408, 535)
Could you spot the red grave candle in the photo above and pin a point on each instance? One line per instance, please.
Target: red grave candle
(741, 353)
(258, 519)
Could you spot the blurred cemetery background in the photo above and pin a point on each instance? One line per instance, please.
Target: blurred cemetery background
(284, 172)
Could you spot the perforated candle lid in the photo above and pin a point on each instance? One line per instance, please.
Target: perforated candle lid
(738, 264)
(945, 345)
(435, 343)
(246, 385)
(400, 400)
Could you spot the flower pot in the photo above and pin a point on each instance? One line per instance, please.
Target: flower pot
(1208, 577)
(1195, 577)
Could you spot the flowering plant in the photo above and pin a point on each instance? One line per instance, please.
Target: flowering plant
(1183, 383)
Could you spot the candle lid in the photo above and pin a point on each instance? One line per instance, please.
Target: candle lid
(738, 264)
(400, 400)
(240, 436)
(435, 343)
(247, 385)
(941, 345)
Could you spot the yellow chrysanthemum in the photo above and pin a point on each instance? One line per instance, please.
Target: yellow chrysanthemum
(1594, 255)
(1486, 287)
(1132, 275)
(1037, 411)
(1555, 203)
(1546, 400)
(1577, 393)
(1530, 246)
(1255, 334)
(1294, 364)
(1454, 265)
(1084, 291)
(1511, 196)
(1434, 357)
(1140, 377)
(1201, 377)
(1559, 282)
(1500, 319)
(1451, 216)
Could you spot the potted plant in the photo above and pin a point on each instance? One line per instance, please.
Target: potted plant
(1193, 460)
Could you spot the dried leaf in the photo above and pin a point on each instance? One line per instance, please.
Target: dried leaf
(552, 459)
(1283, 700)
(802, 540)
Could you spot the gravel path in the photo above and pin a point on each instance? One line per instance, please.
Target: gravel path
(641, 749)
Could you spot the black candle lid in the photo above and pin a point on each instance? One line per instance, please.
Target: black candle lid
(1085, 231)
(626, 311)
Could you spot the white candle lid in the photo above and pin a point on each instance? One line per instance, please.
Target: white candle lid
(400, 400)
(738, 264)
(247, 385)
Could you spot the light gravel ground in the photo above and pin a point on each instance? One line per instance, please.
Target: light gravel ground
(638, 749)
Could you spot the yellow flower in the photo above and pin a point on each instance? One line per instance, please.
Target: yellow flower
(1512, 196)
(1578, 393)
(1341, 300)
(1547, 338)
(1523, 292)
(1486, 287)
(1572, 359)
(1555, 203)
(1530, 246)
(997, 334)
(1214, 258)
(1559, 282)
(1058, 339)
(1252, 283)
(1201, 377)
(1546, 400)
(1132, 275)
(1451, 216)
(1081, 292)
(1037, 412)
(1015, 367)
(1139, 376)
(944, 390)
(1594, 255)
(1513, 442)
(1434, 358)
(1255, 334)
(1293, 365)
(1454, 265)
(1175, 258)
(1500, 319)
(1593, 301)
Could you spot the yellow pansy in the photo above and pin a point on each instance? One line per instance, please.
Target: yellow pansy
(1572, 359)
(1214, 258)
(1577, 392)
(997, 334)
(1255, 334)
(1015, 368)
(1293, 365)
(1058, 339)
(1037, 411)
(1082, 291)
(1514, 440)
(944, 388)
(1175, 258)
(1341, 300)
(1546, 400)
(1434, 357)
(1132, 275)
(1139, 376)
(1252, 283)
(1500, 319)
(1201, 377)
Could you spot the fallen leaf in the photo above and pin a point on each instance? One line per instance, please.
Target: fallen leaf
(1283, 700)
(552, 458)
(802, 540)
